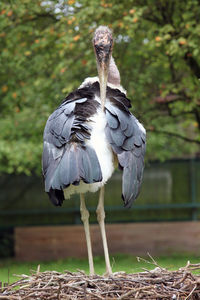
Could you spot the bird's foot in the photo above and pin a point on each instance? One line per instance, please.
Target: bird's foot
(108, 273)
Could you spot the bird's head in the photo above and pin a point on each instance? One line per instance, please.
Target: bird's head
(103, 44)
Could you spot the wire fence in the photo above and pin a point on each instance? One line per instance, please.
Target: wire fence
(170, 191)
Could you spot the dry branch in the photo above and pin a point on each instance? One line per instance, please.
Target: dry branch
(156, 284)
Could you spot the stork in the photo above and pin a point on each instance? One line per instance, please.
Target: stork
(87, 135)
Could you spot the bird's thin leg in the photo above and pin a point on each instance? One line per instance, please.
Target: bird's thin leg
(85, 219)
(101, 217)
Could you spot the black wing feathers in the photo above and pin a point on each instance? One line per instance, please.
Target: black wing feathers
(66, 157)
(127, 139)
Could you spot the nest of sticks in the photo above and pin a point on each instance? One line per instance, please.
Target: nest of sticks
(158, 283)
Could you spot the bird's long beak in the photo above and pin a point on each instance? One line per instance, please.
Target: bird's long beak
(103, 43)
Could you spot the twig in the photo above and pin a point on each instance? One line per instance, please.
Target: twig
(191, 292)
(157, 283)
(135, 290)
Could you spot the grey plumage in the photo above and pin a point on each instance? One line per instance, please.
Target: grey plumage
(127, 140)
(91, 167)
(68, 160)
(66, 157)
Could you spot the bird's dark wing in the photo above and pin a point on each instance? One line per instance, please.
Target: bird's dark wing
(66, 157)
(127, 139)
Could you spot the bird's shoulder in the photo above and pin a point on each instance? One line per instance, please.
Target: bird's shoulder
(123, 129)
(70, 118)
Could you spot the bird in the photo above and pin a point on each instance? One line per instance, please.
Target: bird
(90, 133)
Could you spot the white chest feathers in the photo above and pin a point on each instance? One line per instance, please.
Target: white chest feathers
(104, 153)
(100, 144)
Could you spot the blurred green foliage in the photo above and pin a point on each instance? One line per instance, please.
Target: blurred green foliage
(46, 52)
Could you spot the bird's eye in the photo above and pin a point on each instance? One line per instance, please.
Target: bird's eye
(98, 48)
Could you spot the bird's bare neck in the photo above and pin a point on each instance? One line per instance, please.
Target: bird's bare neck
(113, 73)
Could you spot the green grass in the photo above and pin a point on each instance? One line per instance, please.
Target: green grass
(120, 262)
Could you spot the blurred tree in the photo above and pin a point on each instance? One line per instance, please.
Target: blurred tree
(46, 52)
